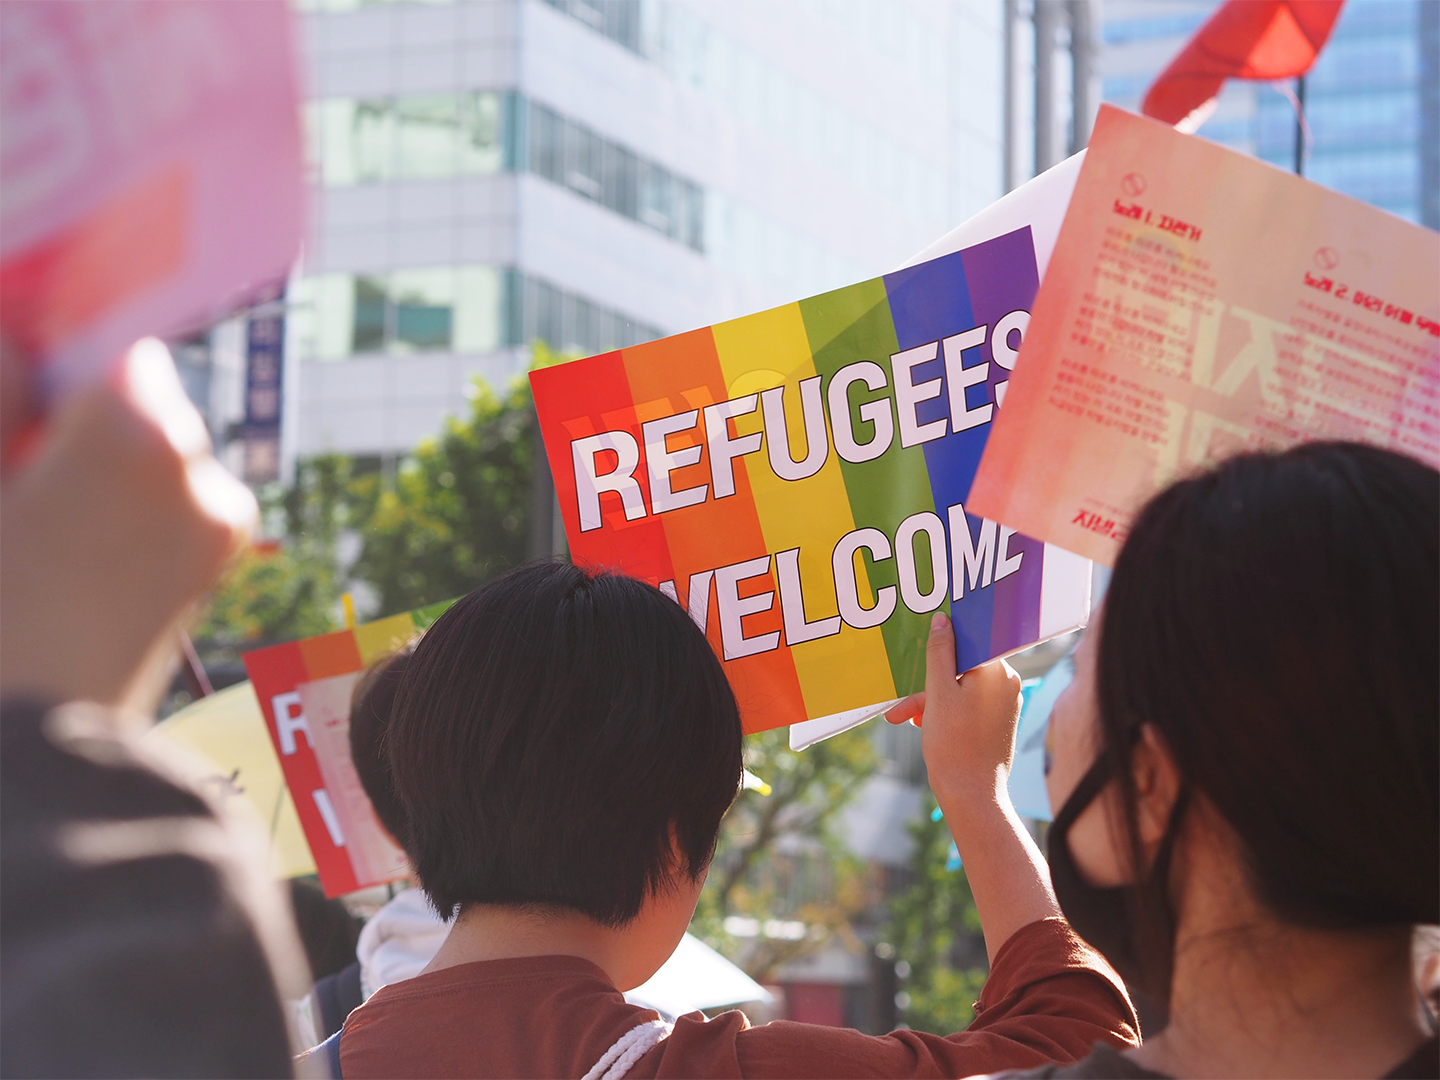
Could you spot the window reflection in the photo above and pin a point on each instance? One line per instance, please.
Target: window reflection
(352, 5)
(371, 315)
(575, 157)
(408, 138)
(465, 309)
(434, 136)
(421, 304)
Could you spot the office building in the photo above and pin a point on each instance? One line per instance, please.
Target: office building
(595, 173)
(1372, 100)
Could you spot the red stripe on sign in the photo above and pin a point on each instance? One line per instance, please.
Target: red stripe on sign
(575, 401)
(276, 674)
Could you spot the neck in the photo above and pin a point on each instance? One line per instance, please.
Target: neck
(502, 932)
(1263, 999)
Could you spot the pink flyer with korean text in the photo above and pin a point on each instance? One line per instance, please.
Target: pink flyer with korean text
(1201, 302)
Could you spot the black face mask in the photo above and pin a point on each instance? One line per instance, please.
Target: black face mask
(1110, 919)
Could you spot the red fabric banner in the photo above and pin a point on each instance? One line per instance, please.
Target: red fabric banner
(1244, 39)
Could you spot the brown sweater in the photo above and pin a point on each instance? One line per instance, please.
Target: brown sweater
(1049, 998)
(1104, 1063)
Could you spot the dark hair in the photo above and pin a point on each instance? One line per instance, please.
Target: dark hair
(327, 929)
(551, 731)
(371, 707)
(160, 955)
(1277, 619)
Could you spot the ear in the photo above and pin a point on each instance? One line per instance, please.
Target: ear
(1157, 786)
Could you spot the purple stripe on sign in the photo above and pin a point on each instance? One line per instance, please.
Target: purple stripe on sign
(1002, 279)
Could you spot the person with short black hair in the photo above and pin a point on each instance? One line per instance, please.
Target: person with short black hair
(1245, 770)
(564, 745)
(401, 938)
(371, 706)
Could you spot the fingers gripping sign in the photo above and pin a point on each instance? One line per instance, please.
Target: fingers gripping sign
(969, 722)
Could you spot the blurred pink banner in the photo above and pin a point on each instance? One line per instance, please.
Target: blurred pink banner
(150, 170)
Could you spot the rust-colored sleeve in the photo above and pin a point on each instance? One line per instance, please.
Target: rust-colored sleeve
(1049, 997)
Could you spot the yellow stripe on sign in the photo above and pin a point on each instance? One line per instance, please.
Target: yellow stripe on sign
(850, 668)
(382, 637)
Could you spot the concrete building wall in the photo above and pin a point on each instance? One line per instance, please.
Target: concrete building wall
(805, 143)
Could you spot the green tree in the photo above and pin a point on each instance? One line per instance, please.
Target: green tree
(456, 513)
(935, 931)
(779, 857)
(459, 510)
(285, 589)
(267, 596)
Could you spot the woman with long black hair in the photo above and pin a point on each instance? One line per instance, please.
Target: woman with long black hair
(1245, 766)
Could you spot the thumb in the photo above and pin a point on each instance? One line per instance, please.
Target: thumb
(940, 658)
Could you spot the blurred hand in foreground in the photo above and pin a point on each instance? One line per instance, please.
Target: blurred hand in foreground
(116, 522)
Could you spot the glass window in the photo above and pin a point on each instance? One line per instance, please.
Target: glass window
(470, 309)
(655, 198)
(622, 182)
(694, 218)
(372, 140)
(443, 135)
(334, 132)
(582, 161)
(1374, 119)
(577, 158)
(547, 153)
(1378, 16)
(477, 309)
(544, 320)
(413, 137)
(426, 137)
(566, 321)
(371, 315)
(351, 5)
(1366, 62)
(1384, 178)
(422, 304)
(320, 316)
(619, 20)
(333, 300)
(480, 134)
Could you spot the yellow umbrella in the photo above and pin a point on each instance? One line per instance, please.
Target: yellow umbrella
(227, 730)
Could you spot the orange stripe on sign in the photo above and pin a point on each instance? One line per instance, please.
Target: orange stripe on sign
(331, 654)
(716, 532)
(57, 288)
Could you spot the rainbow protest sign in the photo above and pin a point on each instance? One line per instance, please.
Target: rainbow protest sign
(797, 479)
(304, 689)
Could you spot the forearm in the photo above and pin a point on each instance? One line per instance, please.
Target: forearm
(1008, 876)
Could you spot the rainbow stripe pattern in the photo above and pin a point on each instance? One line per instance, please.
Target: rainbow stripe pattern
(660, 474)
(279, 674)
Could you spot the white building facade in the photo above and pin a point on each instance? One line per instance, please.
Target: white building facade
(595, 173)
